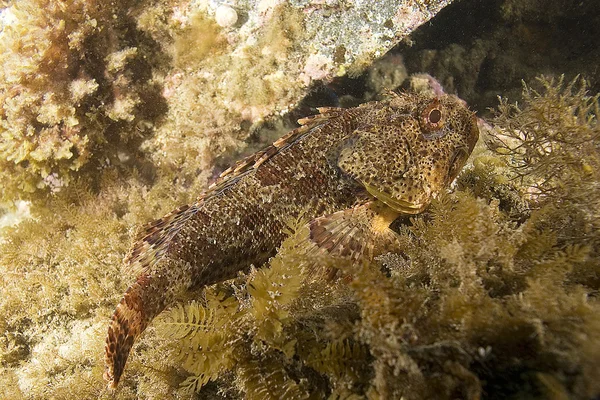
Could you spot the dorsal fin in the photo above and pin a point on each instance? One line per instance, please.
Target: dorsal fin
(325, 113)
(231, 175)
(154, 239)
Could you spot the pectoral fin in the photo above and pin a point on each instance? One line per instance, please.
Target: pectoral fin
(354, 235)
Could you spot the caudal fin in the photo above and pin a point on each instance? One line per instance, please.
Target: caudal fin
(140, 304)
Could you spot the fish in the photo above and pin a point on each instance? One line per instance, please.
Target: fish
(349, 172)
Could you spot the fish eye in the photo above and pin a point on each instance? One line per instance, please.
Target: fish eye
(433, 116)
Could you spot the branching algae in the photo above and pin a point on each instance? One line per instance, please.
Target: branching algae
(490, 293)
(76, 90)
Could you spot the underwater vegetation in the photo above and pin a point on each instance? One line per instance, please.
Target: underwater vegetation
(76, 92)
(492, 293)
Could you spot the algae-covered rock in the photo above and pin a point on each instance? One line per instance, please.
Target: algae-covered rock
(75, 89)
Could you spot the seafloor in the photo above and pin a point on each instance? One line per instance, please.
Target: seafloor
(113, 114)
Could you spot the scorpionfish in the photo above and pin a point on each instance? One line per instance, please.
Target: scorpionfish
(351, 172)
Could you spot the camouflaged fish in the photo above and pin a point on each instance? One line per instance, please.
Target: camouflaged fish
(351, 171)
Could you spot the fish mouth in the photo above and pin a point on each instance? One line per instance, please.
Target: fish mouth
(459, 158)
(396, 204)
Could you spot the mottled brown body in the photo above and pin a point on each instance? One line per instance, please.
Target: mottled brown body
(351, 171)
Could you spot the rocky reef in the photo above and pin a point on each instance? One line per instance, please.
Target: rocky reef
(113, 114)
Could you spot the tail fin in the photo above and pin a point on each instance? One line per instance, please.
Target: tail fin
(143, 300)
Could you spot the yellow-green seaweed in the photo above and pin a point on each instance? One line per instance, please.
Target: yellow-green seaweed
(490, 293)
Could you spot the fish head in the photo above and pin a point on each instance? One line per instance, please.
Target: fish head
(408, 149)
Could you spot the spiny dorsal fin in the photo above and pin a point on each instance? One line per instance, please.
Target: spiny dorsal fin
(252, 162)
(325, 113)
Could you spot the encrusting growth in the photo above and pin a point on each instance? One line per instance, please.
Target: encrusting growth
(350, 171)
